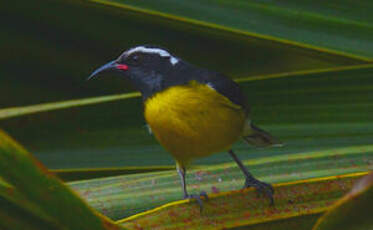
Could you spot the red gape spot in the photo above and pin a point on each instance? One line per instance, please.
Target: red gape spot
(122, 67)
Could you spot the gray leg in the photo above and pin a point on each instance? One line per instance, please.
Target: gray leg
(251, 181)
(182, 172)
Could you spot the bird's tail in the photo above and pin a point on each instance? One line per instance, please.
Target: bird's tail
(259, 138)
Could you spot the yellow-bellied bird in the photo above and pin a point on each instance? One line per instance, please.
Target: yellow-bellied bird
(193, 112)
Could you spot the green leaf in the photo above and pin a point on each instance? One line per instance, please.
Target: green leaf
(83, 174)
(52, 55)
(353, 211)
(122, 196)
(30, 195)
(24, 110)
(308, 111)
(303, 222)
(341, 25)
(243, 208)
(15, 217)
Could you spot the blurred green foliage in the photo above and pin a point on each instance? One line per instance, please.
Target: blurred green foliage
(51, 46)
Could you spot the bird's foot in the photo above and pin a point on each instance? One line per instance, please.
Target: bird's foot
(197, 198)
(261, 187)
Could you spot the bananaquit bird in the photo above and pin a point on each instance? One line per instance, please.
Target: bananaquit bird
(193, 112)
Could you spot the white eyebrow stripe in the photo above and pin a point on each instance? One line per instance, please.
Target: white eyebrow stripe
(162, 53)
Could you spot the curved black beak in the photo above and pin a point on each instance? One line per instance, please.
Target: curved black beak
(109, 67)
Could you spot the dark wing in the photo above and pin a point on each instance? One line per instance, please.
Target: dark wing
(184, 72)
(228, 88)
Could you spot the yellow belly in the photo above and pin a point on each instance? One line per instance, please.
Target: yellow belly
(194, 121)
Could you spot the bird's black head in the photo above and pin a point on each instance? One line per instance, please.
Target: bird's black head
(145, 66)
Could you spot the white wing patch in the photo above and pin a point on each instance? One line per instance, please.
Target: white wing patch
(161, 52)
(150, 131)
(210, 85)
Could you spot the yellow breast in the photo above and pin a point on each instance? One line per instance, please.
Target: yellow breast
(193, 121)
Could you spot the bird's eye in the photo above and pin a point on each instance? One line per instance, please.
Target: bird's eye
(134, 59)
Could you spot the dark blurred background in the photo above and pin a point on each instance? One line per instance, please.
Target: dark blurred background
(49, 47)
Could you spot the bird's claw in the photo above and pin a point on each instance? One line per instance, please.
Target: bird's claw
(262, 188)
(198, 198)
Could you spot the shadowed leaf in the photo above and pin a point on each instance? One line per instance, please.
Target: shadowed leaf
(32, 196)
(52, 55)
(308, 111)
(353, 211)
(341, 25)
